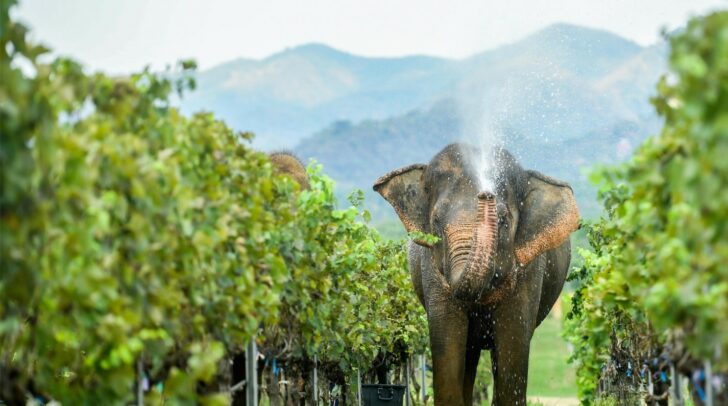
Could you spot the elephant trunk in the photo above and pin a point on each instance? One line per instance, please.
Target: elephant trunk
(472, 273)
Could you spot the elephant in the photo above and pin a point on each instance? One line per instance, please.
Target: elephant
(497, 268)
(289, 164)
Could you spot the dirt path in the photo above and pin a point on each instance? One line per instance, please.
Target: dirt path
(547, 401)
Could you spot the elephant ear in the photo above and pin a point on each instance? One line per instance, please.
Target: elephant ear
(404, 190)
(548, 216)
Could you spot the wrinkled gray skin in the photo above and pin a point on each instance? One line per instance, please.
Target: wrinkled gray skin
(496, 271)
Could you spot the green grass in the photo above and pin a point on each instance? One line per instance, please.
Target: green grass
(549, 373)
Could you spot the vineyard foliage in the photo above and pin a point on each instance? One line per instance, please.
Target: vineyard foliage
(348, 297)
(137, 239)
(656, 278)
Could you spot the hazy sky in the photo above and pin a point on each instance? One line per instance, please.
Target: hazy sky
(123, 35)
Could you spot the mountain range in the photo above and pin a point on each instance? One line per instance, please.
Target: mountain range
(562, 99)
(292, 94)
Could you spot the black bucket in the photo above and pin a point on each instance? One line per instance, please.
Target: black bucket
(387, 395)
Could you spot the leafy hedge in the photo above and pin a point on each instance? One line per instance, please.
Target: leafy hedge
(349, 294)
(139, 242)
(349, 299)
(656, 282)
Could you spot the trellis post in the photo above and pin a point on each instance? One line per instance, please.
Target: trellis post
(675, 387)
(423, 388)
(315, 379)
(140, 382)
(708, 383)
(358, 387)
(407, 381)
(251, 374)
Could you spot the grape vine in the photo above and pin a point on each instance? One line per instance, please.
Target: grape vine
(653, 291)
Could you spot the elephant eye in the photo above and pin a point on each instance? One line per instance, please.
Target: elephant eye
(503, 215)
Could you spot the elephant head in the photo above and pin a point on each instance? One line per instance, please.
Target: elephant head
(484, 235)
(289, 164)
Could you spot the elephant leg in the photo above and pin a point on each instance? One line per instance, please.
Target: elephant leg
(448, 340)
(514, 323)
(510, 367)
(515, 318)
(472, 356)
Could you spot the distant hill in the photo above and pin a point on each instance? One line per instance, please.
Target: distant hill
(294, 93)
(562, 99)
